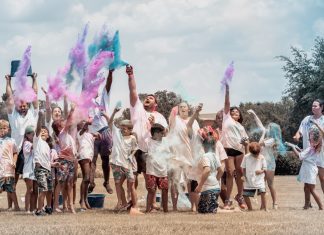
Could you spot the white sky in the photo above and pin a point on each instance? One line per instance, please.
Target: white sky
(182, 46)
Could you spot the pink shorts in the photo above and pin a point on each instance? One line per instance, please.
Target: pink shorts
(153, 182)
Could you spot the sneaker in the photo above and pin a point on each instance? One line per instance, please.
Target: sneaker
(40, 213)
(240, 201)
(48, 210)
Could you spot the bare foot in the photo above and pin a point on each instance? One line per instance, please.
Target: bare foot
(108, 188)
(135, 211)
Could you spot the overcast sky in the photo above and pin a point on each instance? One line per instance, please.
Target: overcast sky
(177, 45)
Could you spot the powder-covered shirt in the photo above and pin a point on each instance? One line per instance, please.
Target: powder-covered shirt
(85, 146)
(67, 146)
(252, 164)
(212, 161)
(8, 148)
(42, 152)
(232, 133)
(305, 127)
(141, 124)
(19, 123)
(122, 148)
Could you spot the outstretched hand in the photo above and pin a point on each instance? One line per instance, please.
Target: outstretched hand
(34, 76)
(45, 91)
(250, 111)
(8, 78)
(129, 70)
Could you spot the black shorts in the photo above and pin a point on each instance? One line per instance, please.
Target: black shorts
(20, 163)
(140, 157)
(232, 152)
(103, 145)
(193, 185)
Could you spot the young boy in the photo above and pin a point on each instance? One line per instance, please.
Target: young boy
(8, 158)
(156, 167)
(254, 167)
(122, 159)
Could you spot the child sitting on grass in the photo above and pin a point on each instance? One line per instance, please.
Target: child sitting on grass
(8, 158)
(254, 167)
(211, 171)
(156, 167)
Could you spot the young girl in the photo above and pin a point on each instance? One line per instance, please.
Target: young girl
(43, 163)
(28, 171)
(210, 173)
(271, 143)
(254, 167)
(67, 152)
(308, 170)
(85, 142)
(234, 141)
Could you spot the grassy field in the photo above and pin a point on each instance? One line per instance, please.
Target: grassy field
(290, 218)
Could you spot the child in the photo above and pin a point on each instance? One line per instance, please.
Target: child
(308, 170)
(8, 158)
(156, 167)
(85, 142)
(67, 152)
(122, 159)
(254, 167)
(28, 170)
(211, 171)
(43, 164)
(272, 146)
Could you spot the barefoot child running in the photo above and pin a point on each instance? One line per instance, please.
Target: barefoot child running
(8, 158)
(254, 167)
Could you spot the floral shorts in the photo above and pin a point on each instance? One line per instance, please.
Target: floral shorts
(7, 184)
(153, 182)
(44, 179)
(66, 171)
(208, 201)
(119, 172)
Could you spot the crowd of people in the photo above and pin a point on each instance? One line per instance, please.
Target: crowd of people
(175, 155)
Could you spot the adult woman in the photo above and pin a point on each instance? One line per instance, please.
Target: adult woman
(303, 131)
(180, 137)
(233, 139)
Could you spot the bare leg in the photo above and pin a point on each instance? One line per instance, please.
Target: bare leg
(315, 195)
(40, 201)
(321, 177)
(150, 197)
(85, 168)
(33, 198)
(263, 201)
(270, 182)
(165, 200)
(307, 196)
(29, 191)
(230, 167)
(70, 182)
(106, 172)
(239, 173)
(174, 196)
(248, 203)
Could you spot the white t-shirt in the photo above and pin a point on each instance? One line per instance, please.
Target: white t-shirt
(220, 151)
(212, 161)
(232, 133)
(67, 147)
(252, 164)
(8, 148)
(180, 142)
(85, 146)
(18, 124)
(157, 157)
(122, 148)
(141, 124)
(99, 121)
(28, 171)
(42, 152)
(305, 127)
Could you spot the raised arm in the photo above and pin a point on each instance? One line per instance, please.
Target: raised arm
(192, 119)
(39, 122)
(131, 85)
(10, 100)
(65, 107)
(172, 117)
(259, 124)
(48, 114)
(109, 81)
(35, 88)
(110, 119)
(227, 104)
(69, 119)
